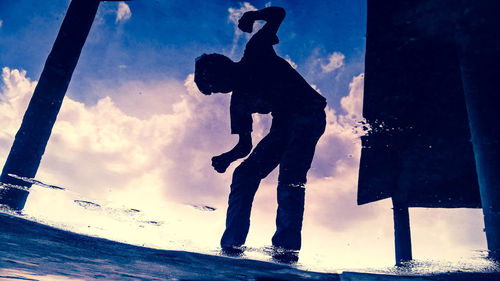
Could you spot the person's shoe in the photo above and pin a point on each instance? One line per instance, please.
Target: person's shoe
(233, 251)
(282, 255)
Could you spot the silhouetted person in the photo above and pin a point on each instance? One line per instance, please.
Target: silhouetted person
(263, 82)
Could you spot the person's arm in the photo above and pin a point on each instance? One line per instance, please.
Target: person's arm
(242, 148)
(241, 125)
(272, 15)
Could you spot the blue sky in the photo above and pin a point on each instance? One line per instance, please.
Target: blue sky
(162, 38)
(135, 132)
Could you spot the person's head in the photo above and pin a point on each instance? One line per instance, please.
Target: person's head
(214, 74)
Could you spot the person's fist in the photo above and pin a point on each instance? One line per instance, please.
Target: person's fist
(220, 163)
(245, 23)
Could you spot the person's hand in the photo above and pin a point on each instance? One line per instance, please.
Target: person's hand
(245, 23)
(221, 162)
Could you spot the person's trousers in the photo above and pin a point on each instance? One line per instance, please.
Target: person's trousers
(290, 144)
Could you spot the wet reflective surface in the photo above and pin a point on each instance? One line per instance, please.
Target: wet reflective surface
(33, 251)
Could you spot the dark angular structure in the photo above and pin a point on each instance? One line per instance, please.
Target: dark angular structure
(430, 68)
(31, 139)
(478, 41)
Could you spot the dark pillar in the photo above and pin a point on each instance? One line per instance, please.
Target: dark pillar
(31, 139)
(402, 235)
(478, 40)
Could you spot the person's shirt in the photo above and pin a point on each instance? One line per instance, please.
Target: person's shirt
(268, 84)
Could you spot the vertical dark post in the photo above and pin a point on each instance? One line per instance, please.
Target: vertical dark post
(402, 235)
(478, 42)
(31, 139)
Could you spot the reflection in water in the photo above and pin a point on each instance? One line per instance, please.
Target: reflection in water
(188, 228)
(18, 274)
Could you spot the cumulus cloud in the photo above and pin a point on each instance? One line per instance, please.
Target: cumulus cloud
(292, 63)
(123, 13)
(234, 15)
(1, 23)
(100, 147)
(113, 149)
(102, 153)
(340, 146)
(16, 93)
(353, 103)
(335, 61)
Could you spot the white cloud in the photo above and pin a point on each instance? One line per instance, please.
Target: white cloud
(289, 60)
(1, 23)
(16, 94)
(123, 13)
(102, 153)
(315, 87)
(353, 103)
(100, 147)
(335, 61)
(340, 147)
(142, 99)
(234, 15)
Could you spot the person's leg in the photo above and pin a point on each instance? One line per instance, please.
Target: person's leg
(289, 217)
(246, 179)
(296, 161)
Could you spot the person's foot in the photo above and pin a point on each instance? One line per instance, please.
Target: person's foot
(233, 251)
(282, 255)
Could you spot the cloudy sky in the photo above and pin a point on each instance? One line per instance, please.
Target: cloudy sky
(134, 132)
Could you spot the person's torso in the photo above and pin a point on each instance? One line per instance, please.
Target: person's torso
(270, 84)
